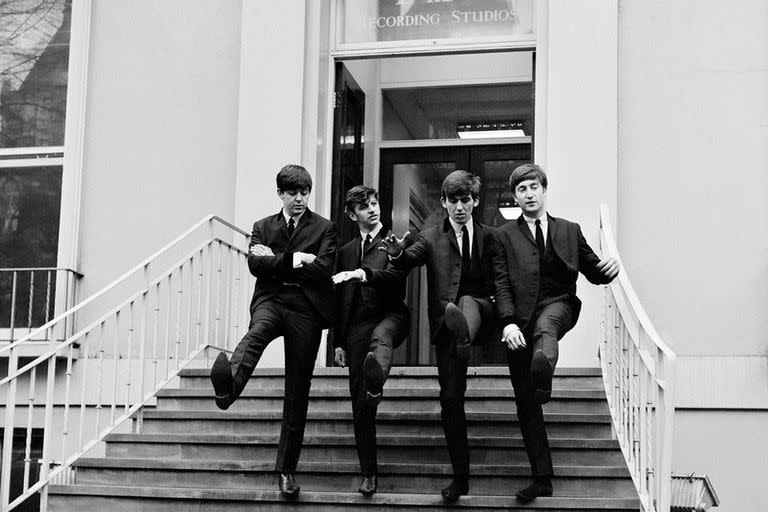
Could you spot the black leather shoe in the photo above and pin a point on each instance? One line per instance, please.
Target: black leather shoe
(541, 377)
(374, 380)
(221, 378)
(457, 325)
(458, 487)
(540, 487)
(368, 485)
(288, 486)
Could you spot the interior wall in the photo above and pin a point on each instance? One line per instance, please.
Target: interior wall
(161, 119)
(581, 139)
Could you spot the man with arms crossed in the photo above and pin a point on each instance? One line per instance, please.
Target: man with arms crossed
(292, 255)
(536, 261)
(372, 321)
(459, 281)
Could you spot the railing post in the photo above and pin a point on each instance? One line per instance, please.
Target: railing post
(664, 425)
(47, 431)
(10, 410)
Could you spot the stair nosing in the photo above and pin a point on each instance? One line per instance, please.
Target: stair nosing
(251, 495)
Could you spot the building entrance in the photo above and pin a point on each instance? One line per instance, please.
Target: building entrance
(402, 124)
(409, 184)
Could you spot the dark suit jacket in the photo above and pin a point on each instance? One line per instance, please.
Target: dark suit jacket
(313, 234)
(516, 267)
(438, 250)
(387, 282)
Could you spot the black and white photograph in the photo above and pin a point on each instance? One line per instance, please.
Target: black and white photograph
(383, 255)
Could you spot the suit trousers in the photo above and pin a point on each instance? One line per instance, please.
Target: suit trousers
(548, 325)
(289, 314)
(452, 376)
(379, 336)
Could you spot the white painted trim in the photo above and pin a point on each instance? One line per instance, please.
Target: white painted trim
(32, 162)
(520, 79)
(74, 136)
(435, 47)
(310, 103)
(40, 150)
(541, 21)
(426, 143)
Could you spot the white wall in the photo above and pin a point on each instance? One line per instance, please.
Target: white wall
(693, 186)
(581, 139)
(729, 447)
(270, 124)
(160, 127)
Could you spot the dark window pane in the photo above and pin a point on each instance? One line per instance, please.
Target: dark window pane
(34, 59)
(30, 199)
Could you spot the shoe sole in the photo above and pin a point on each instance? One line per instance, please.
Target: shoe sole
(221, 378)
(457, 325)
(525, 498)
(374, 379)
(541, 377)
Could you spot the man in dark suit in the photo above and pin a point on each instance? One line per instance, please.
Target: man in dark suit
(372, 321)
(536, 261)
(459, 281)
(292, 255)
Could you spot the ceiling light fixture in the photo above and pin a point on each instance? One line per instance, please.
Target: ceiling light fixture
(489, 129)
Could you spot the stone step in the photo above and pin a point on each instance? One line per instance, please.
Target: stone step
(395, 400)
(164, 499)
(408, 377)
(387, 423)
(400, 449)
(502, 480)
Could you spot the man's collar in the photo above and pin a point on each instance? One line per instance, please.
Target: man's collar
(295, 219)
(531, 220)
(457, 227)
(373, 232)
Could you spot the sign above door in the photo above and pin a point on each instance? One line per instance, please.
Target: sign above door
(371, 21)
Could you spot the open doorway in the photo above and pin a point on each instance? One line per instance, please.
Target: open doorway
(421, 118)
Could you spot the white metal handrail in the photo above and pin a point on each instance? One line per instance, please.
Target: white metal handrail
(638, 373)
(29, 297)
(116, 363)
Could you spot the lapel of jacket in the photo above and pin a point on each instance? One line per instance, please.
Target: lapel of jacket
(282, 226)
(477, 242)
(524, 229)
(552, 230)
(451, 236)
(305, 220)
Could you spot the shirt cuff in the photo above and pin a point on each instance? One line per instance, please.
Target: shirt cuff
(296, 260)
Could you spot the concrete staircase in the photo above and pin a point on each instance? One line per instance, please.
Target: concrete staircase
(191, 456)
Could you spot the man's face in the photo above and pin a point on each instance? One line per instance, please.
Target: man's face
(367, 216)
(531, 196)
(459, 207)
(294, 201)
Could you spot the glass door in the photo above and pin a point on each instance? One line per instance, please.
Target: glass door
(410, 181)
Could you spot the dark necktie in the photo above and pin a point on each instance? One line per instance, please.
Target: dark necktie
(291, 227)
(366, 244)
(540, 239)
(465, 253)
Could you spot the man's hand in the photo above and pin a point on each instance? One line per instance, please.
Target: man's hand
(609, 267)
(512, 337)
(340, 357)
(394, 246)
(260, 250)
(306, 258)
(349, 275)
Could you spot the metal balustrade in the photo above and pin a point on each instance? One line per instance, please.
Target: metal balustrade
(29, 298)
(123, 350)
(638, 373)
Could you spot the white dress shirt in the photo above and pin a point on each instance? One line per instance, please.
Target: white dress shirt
(459, 235)
(532, 225)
